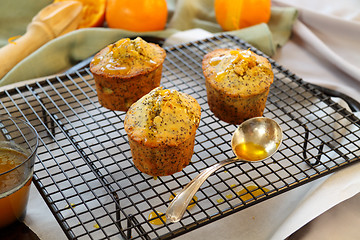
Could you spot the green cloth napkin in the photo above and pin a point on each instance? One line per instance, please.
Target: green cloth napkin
(65, 51)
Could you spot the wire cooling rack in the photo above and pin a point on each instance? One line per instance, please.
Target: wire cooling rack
(85, 173)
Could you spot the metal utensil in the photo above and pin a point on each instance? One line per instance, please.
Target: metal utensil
(258, 139)
(52, 21)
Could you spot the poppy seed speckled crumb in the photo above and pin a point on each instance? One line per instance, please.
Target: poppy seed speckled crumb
(237, 84)
(161, 128)
(125, 71)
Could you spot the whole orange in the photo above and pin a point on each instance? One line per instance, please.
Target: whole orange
(237, 14)
(93, 12)
(137, 15)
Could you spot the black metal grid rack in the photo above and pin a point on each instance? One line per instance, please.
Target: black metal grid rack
(85, 173)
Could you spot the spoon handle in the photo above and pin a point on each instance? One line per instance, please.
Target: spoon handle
(179, 204)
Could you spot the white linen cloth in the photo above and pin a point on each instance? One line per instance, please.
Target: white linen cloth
(324, 50)
(326, 41)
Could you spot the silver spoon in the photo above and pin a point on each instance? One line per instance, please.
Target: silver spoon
(255, 139)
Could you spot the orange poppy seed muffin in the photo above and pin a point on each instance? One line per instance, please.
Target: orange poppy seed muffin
(161, 128)
(237, 84)
(125, 71)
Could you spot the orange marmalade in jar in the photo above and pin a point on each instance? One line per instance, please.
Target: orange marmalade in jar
(14, 186)
(18, 145)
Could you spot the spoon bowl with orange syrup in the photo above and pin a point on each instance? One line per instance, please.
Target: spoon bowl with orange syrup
(255, 139)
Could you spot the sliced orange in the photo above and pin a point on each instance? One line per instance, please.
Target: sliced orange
(237, 14)
(93, 12)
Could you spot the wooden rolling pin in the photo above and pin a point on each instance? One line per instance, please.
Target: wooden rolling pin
(52, 21)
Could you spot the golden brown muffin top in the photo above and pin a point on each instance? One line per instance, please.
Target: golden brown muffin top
(163, 117)
(128, 58)
(237, 72)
